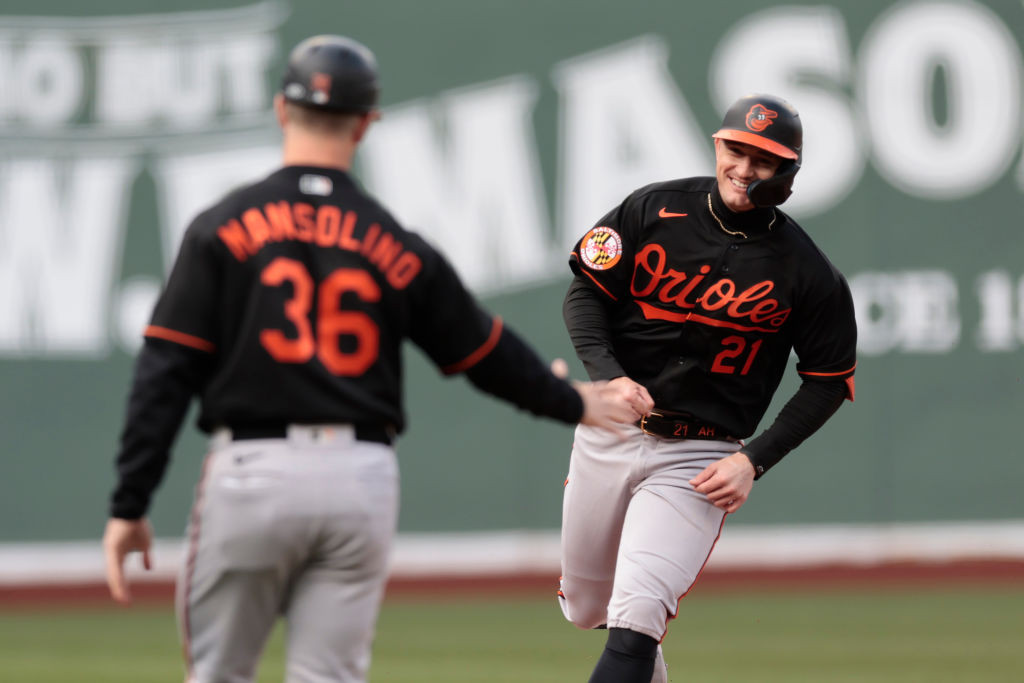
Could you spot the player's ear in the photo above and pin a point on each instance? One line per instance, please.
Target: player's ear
(279, 110)
(363, 124)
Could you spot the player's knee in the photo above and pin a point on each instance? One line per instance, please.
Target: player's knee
(582, 612)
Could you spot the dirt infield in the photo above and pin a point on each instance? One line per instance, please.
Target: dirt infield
(937, 575)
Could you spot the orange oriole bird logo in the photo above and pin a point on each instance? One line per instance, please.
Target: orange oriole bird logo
(760, 117)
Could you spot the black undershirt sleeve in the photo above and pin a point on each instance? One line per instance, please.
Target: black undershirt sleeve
(809, 408)
(167, 376)
(586, 317)
(514, 373)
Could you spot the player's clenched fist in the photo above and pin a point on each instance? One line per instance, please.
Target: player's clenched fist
(607, 407)
(635, 393)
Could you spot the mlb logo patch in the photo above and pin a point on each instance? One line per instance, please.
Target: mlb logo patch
(315, 184)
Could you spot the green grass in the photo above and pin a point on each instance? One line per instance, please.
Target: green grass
(865, 636)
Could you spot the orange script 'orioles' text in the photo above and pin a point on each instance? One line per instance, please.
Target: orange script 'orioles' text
(652, 276)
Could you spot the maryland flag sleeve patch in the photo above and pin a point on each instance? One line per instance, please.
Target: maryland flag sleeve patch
(601, 248)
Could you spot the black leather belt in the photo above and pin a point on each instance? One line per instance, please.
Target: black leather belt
(670, 425)
(374, 433)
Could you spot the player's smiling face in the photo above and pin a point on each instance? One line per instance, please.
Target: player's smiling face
(736, 166)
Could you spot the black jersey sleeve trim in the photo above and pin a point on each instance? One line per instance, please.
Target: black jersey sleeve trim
(182, 338)
(480, 353)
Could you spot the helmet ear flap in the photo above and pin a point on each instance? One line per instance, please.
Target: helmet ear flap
(775, 190)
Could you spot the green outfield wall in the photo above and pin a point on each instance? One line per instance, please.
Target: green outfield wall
(508, 128)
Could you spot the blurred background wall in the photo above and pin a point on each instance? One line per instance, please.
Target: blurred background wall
(508, 129)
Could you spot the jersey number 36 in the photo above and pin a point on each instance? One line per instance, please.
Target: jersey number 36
(331, 321)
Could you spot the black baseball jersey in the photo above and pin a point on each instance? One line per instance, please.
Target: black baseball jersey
(706, 305)
(288, 304)
(304, 288)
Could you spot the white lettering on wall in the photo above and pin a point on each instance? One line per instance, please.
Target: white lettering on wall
(909, 311)
(41, 80)
(1001, 327)
(181, 82)
(476, 190)
(802, 55)
(140, 81)
(60, 225)
(624, 124)
(245, 61)
(84, 104)
(980, 62)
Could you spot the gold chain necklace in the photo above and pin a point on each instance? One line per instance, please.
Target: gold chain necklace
(735, 232)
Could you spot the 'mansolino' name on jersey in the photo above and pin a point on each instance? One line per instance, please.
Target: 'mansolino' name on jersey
(325, 226)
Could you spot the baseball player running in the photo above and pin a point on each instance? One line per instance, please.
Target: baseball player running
(691, 294)
(285, 312)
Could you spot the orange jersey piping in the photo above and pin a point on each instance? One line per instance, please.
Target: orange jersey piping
(654, 313)
(851, 387)
(830, 374)
(179, 338)
(695, 579)
(594, 280)
(478, 355)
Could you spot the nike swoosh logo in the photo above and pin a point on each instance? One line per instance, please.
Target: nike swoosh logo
(665, 213)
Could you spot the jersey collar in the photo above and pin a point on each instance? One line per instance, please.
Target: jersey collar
(752, 223)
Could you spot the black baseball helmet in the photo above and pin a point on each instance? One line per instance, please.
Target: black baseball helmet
(772, 124)
(333, 73)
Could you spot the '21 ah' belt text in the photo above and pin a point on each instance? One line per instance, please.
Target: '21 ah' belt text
(669, 425)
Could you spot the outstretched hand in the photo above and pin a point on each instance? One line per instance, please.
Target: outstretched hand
(634, 392)
(123, 536)
(609, 405)
(726, 482)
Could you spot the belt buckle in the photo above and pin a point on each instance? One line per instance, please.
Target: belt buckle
(643, 421)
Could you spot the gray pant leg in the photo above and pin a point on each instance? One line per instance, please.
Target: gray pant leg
(668, 535)
(242, 610)
(242, 550)
(333, 608)
(300, 527)
(594, 504)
